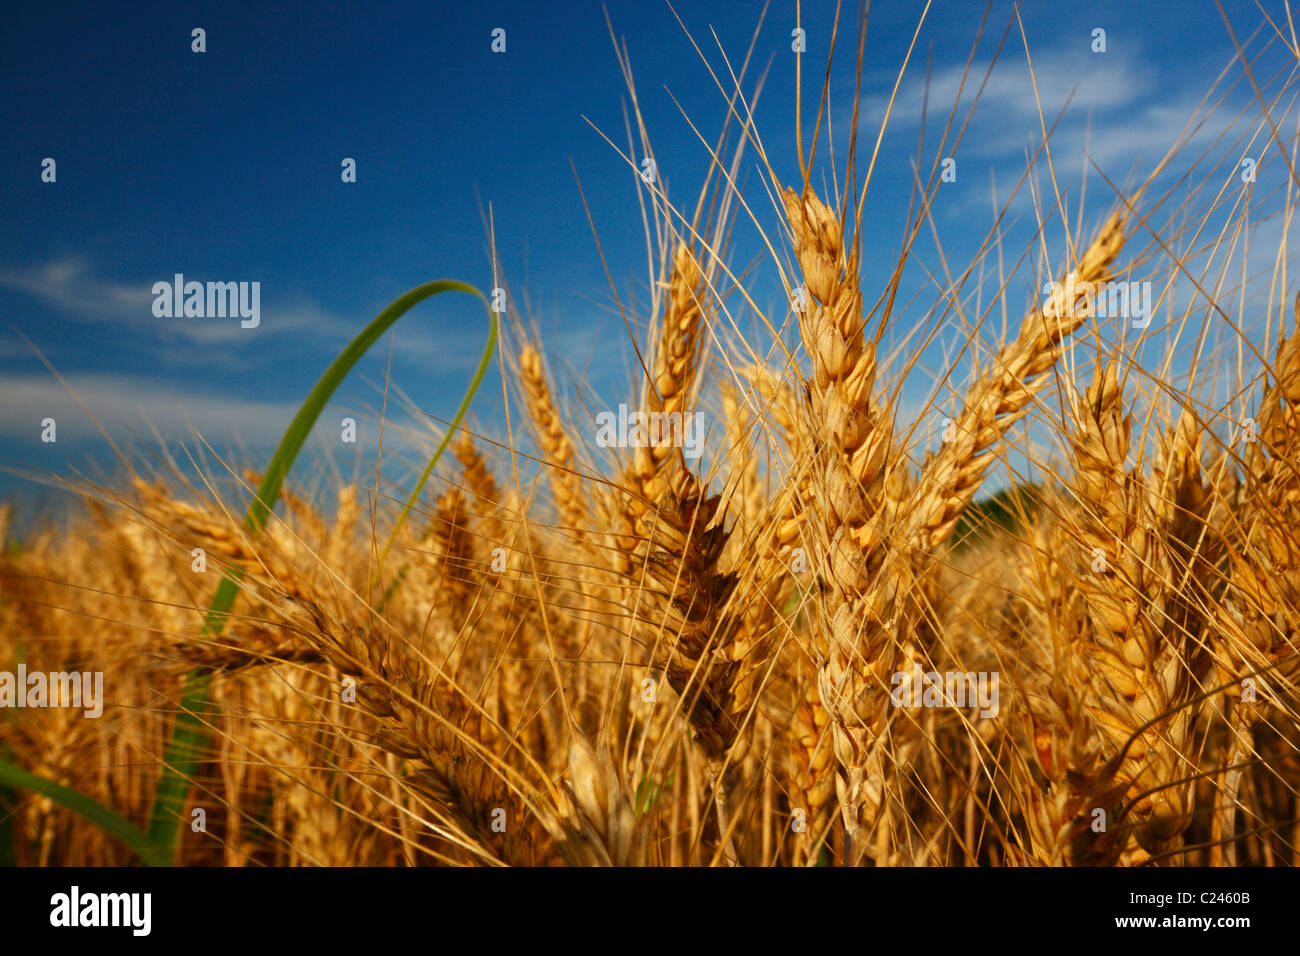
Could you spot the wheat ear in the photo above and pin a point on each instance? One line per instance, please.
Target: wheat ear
(850, 441)
(557, 447)
(1139, 680)
(1003, 393)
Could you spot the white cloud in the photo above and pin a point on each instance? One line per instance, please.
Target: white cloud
(1084, 81)
(69, 285)
(66, 284)
(125, 405)
(1116, 112)
(130, 407)
(444, 335)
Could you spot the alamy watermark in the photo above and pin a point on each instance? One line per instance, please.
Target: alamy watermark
(624, 429)
(918, 688)
(75, 908)
(1121, 300)
(213, 300)
(84, 689)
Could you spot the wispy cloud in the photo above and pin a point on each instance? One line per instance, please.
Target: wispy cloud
(125, 405)
(1099, 83)
(1113, 111)
(66, 284)
(70, 286)
(128, 407)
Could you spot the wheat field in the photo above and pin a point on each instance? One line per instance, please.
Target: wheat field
(1047, 617)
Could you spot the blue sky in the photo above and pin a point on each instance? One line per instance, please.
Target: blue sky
(225, 166)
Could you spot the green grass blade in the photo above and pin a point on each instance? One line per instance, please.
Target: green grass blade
(8, 810)
(106, 819)
(474, 384)
(189, 735)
